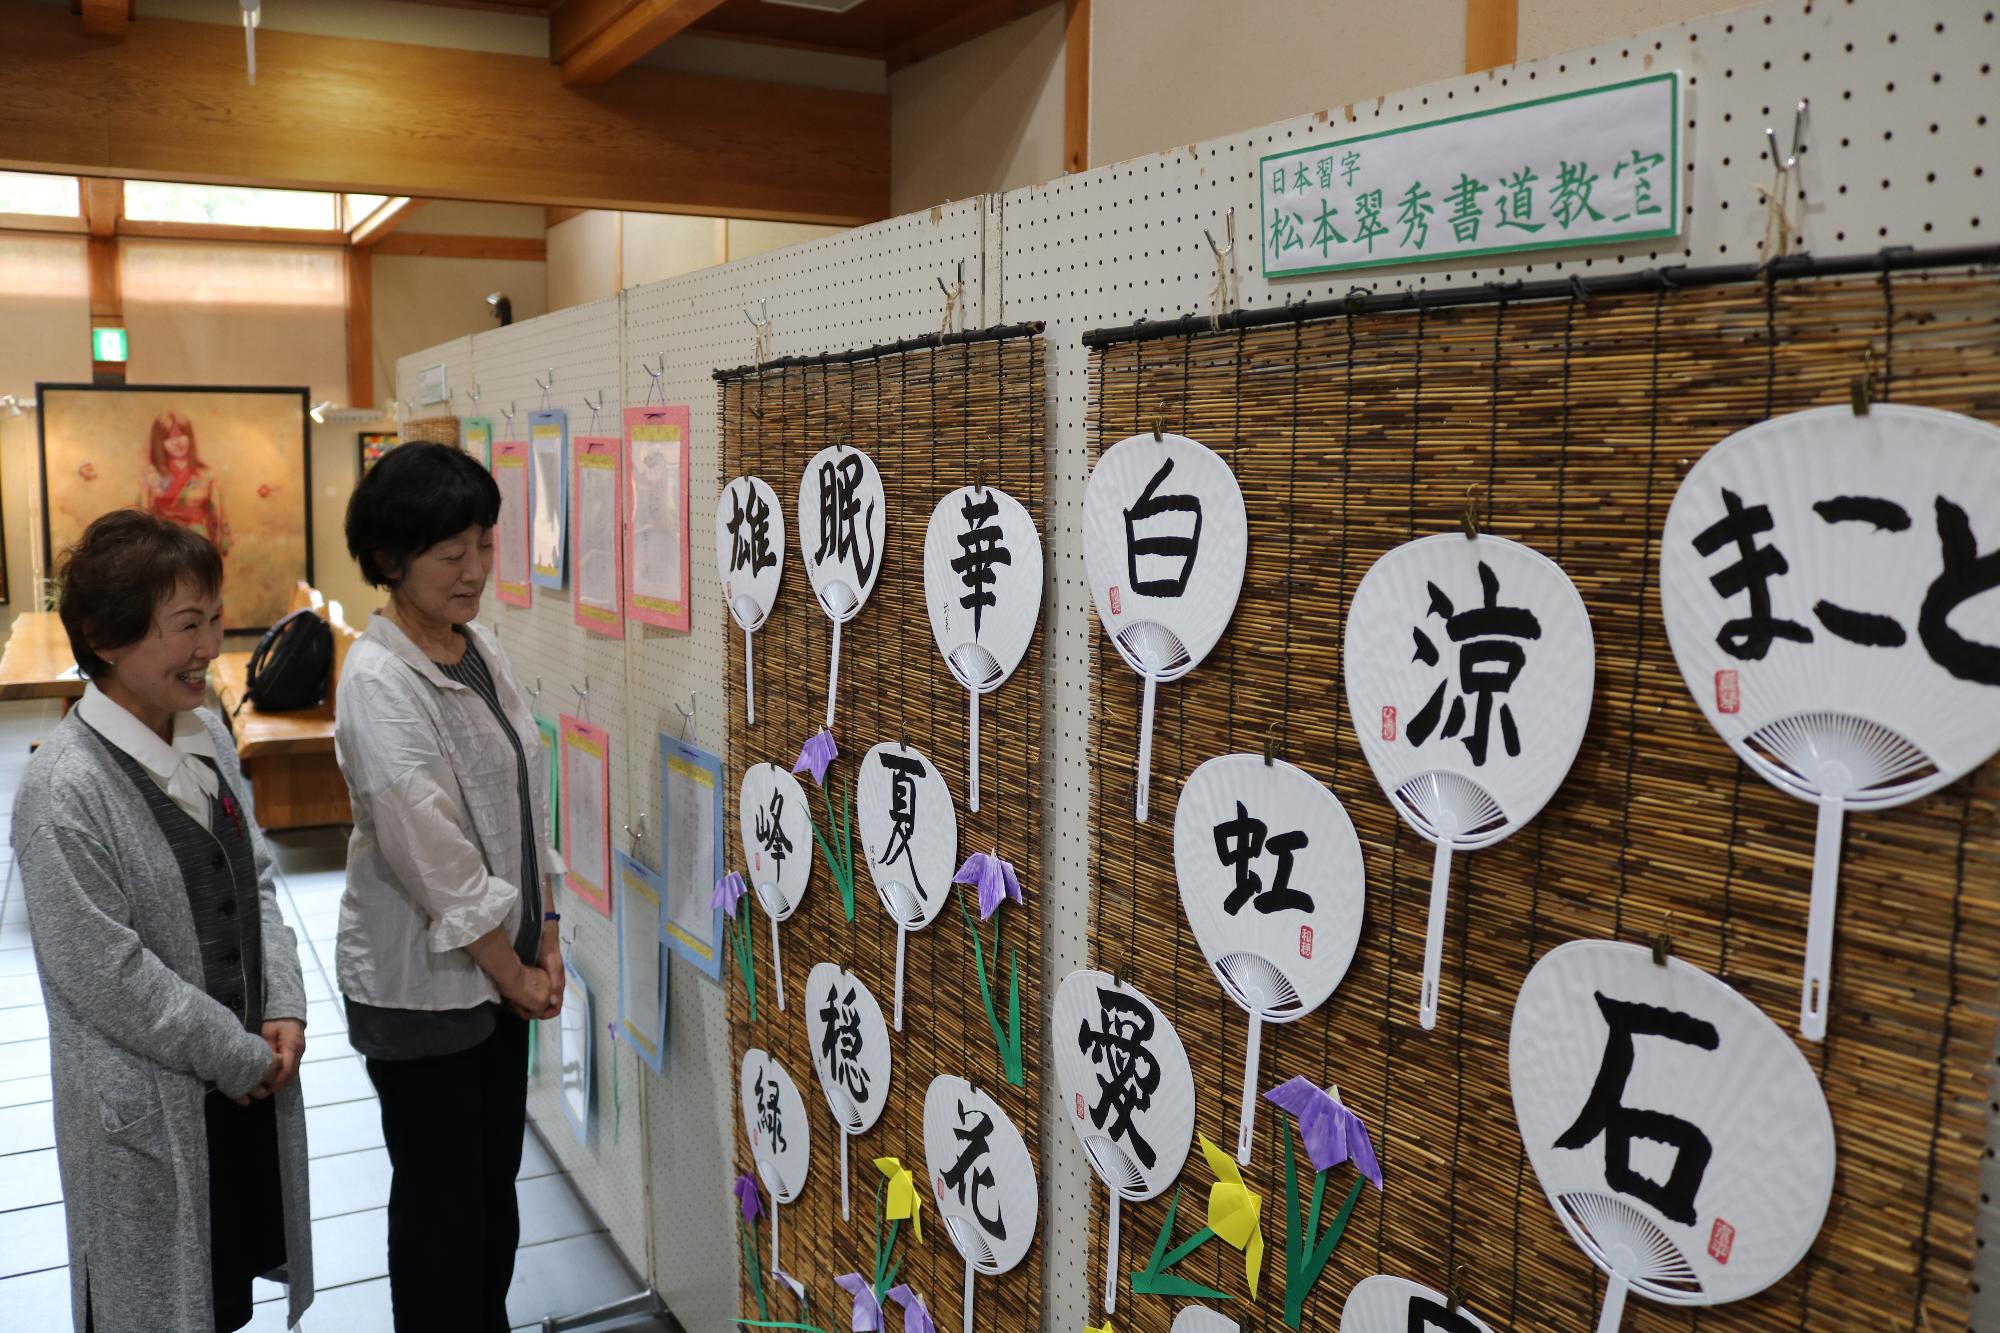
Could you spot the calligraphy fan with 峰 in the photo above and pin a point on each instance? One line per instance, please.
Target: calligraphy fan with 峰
(842, 529)
(850, 1053)
(982, 1178)
(909, 833)
(1384, 1304)
(774, 1118)
(776, 828)
(750, 559)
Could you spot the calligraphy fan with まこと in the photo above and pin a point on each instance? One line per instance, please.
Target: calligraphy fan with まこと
(750, 559)
(982, 1178)
(842, 530)
(1384, 1304)
(909, 833)
(776, 828)
(774, 1118)
(850, 1053)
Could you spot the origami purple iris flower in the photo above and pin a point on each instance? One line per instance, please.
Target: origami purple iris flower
(745, 1190)
(867, 1310)
(729, 891)
(916, 1317)
(818, 754)
(993, 877)
(1332, 1133)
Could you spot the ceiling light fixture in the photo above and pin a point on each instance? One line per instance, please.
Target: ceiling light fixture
(252, 16)
(318, 411)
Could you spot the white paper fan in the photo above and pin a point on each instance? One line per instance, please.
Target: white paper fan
(982, 1178)
(909, 833)
(1127, 1091)
(776, 827)
(1384, 1304)
(774, 1116)
(1680, 1135)
(1827, 582)
(750, 560)
(1200, 1319)
(850, 1053)
(1165, 537)
(983, 586)
(842, 529)
(1271, 882)
(1469, 669)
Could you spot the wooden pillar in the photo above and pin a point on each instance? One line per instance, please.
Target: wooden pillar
(103, 204)
(360, 328)
(1076, 86)
(1492, 28)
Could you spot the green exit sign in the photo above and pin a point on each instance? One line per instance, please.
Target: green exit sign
(108, 345)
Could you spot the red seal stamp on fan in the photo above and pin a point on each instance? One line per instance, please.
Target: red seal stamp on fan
(1389, 722)
(1116, 609)
(1728, 695)
(1305, 941)
(1721, 1240)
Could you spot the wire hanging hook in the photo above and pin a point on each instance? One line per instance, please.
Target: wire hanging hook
(638, 835)
(582, 700)
(511, 411)
(546, 387)
(595, 409)
(657, 374)
(688, 716)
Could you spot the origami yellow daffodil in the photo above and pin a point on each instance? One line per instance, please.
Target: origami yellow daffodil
(1233, 1210)
(1105, 1327)
(905, 1203)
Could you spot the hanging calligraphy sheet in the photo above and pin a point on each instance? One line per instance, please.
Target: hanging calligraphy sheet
(850, 1052)
(909, 833)
(750, 560)
(511, 534)
(1384, 1304)
(780, 1133)
(775, 824)
(642, 959)
(656, 508)
(575, 1028)
(691, 852)
(594, 530)
(843, 516)
(586, 819)
(548, 455)
(475, 438)
(982, 1178)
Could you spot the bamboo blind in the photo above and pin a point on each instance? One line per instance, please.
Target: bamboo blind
(430, 430)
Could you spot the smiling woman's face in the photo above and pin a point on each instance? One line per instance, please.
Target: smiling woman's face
(166, 672)
(447, 581)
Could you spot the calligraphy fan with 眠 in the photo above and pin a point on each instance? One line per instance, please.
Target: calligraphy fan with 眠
(1469, 665)
(1828, 586)
(750, 558)
(850, 1052)
(774, 1118)
(776, 826)
(1165, 537)
(909, 832)
(1679, 1133)
(982, 1178)
(1384, 1304)
(983, 585)
(1271, 882)
(842, 525)
(1127, 1091)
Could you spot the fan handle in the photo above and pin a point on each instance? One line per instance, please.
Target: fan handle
(749, 686)
(1111, 1258)
(1253, 1052)
(1820, 917)
(1145, 776)
(972, 740)
(1615, 1288)
(843, 1170)
(902, 941)
(966, 1302)
(1427, 994)
(833, 677)
(777, 964)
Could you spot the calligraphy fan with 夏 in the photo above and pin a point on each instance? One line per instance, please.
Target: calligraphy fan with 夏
(1679, 1133)
(850, 1053)
(774, 1118)
(842, 529)
(1165, 537)
(1828, 582)
(776, 828)
(982, 1178)
(1127, 1091)
(909, 833)
(1384, 1304)
(1271, 882)
(1469, 667)
(750, 559)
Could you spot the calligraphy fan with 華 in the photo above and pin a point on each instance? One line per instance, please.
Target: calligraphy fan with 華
(750, 558)
(982, 1178)
(1469, 667)
(1127, 1091)
(1828, 586)
(1384, 1304)
(1165, 537)
(909, 832)
(776, 826)
(1271, 882)
(774, 1118)
(983, 585)
(842, 527)
(1679, 1133)
(850, 1053)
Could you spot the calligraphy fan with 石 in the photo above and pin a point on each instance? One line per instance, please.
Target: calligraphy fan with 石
(750, 559)
(982, 1178)
(850, 1053)
(983, 585)
(1127, 1091)
(1384, 1304)
(776, 826)
(774, 1118)
(1271, 882)
(1679, 1133)
(909, 832)
(1469, 666)
(1165, 537)
(1828, 586)
(842, 526)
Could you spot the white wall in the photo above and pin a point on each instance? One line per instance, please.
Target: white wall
(1549, 26)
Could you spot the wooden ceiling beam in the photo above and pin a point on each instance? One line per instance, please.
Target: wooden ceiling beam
(641, 26)
(575, 22)
(104, 18)
(436, 245)
(974, 21)
(391, 215)
(103, 204)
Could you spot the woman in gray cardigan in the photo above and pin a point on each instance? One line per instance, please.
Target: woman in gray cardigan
(176, 1007)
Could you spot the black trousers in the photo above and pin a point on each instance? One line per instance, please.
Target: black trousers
(453, 1125)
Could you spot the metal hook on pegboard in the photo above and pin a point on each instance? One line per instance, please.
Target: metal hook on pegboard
(1777, 241)
(546, 387)
(472, 395)
(658, 375)
(688, 730)
(638, 835)
(582, 700)
(596, 408)
(761, 322)
(952, 296)
(1222, 296)
(511, 411)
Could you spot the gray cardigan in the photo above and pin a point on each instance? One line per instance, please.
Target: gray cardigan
(135, 1041)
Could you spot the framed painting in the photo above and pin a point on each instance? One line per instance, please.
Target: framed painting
(374, 444)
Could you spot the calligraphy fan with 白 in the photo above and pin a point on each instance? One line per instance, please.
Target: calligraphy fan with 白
(1165, 537)
(983, 585)
(1384, 1304)
(1828, 586)
(776, 826)
(750, 560)
(1271, 882)
(909, 833)
(1681, 1136)
(850, 1053)
(1127, 1091)
(982, 1178)
(774, 1118)
(842, 526)
(1469, 665)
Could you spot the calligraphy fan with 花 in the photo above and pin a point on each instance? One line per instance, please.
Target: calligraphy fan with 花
(1679, 1133)
(1828, 585)
(842, 525)
(776, 827)
(982, 1178)
(850, 1053)
(909, 833)
(1469, 666)
(1384, 1304)
(774, 1118)
(750, 558)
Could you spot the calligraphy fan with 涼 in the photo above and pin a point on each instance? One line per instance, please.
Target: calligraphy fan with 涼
(909, 833)
(1469, 667)
(1679, 1133)
(1271, 882)
(850, 1053)
(1384, 1304)
(983, 586)
(1127, 1091)
(1165, 537)
(982, 1178)
(774, 1118)
(776, 827)
(750, 560)
(842, 526)
(1828, 586)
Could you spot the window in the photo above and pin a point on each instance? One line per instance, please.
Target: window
(43, 196)
(360, 206)
(231, 206)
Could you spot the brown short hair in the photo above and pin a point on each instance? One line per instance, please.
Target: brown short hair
(116, 575)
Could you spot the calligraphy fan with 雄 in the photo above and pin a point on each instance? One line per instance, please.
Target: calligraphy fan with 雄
(774, 1118)
(850, 1053)
(983, 586)
(1828, 582)
(1165, 537)
(1271, 882)
(750, 559)
(909, 833)
(1681, 1136)
(776, 827)
(842, 526)
(1469, 666)
(1384, 1304)
(982, 1178)
(1127, 1091)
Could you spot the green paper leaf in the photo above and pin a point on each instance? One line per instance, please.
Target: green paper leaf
(1169, 1284)
(767, 1323)
(1154, 1280)
(749, 1234)
(1294, 1240)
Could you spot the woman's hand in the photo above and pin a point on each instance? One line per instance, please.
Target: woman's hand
(552, 963)
(287, 1039)
(526, 989)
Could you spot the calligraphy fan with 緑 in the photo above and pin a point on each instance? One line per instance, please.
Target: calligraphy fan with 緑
(850, 1053)
(1127, 1091)
(774, 1118)
(1828, 586)
(776, 826)
(1165, 537)
(1271, 882)
(909, 833)
(750, 559)
(842, 525)
(982, 1178)
(983, 585)
(1469, 666)
(1681, 1136)
(1384, 1304)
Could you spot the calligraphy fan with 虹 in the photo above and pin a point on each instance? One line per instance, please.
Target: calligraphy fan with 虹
(909, 833)
(1828, 585)
(1165, 537)
(1127, 1091)
(1271, 882)
(982, 1178)
(774, 1118)
(843, 514)
(850, 1053)
(1469, 668)
(750, 559)
(1679, 1133)
(1385, 1304)
(776, 827)
(983, 586)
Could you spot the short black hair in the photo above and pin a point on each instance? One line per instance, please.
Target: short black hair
(416, 497)
(116, 575)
